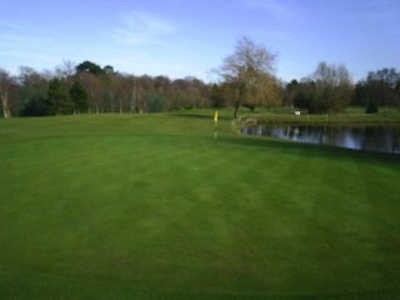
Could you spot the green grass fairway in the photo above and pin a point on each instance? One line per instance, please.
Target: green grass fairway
(352, 115)
(156, 207)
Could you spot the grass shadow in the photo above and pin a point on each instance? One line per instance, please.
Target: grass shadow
(311, 150)
(201, 116)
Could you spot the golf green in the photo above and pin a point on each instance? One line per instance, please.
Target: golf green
(169, 206)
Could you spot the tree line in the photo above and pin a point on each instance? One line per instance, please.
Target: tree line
(330, 89)
(90, 88)
(246, 78)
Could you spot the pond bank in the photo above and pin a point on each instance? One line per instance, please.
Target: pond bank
(384, 118)
(384, 139)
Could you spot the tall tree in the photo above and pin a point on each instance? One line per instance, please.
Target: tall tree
(92, 86)
(66, 71)
(398, 92)
(246, 71)
(59, 98)
(333, 88)
(217, 96)
(91, 67)
(6, 82)
(108, 69)
(380, 88)
(107, 91)
(32, 90)
(79, 97)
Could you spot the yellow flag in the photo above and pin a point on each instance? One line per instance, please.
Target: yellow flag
(216, 116)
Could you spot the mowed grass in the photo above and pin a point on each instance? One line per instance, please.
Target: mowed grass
(352, 115)
(160, 207)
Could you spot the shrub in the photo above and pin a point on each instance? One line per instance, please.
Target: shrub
(372, 107)
(36, 107)
(157, 103)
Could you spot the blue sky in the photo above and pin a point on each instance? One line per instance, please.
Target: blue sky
(179, 38)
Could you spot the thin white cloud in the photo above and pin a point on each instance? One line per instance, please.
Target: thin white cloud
(141, 28)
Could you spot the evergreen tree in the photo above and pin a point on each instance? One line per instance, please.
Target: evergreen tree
(59, 101)
(90, 67)
(79, 97)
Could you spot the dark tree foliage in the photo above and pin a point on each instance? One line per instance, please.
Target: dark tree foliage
(79, 97)
(157, 103)
(372, 107)
(90, 67)
(303, 100)
(290, 93)
(58, 99)
(96, 89)
(108, 69)
(301, 95)
(217, 96)
(36, 107)
(328, 90)
(380, 88)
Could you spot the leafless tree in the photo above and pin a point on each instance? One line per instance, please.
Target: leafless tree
(334, 85)
(92, 85)
(247, 72)
(6, 82)
(66, 70)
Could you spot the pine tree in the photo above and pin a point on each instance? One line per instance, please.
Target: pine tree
(79, 97)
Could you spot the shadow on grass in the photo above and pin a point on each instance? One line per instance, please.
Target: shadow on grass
(313, 151)
(200, 116)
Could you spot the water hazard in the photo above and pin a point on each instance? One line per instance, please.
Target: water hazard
(369, 138)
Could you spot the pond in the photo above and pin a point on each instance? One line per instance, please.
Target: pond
(367, 138)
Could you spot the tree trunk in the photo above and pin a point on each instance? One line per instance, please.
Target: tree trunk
(137, 105)
(235, 113)
(6, 109)
(133, 102)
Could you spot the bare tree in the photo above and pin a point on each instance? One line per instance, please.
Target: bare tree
(118, 91)
(334, 87)
(130, 88)
(126, 94)
(91, 84)
(32, 84)
(66, 70)
(332, 75)
(246, 71)
(6, 81)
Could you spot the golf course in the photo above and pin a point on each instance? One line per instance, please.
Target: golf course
(172, 206)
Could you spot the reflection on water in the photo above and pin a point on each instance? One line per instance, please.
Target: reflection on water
(380, 139)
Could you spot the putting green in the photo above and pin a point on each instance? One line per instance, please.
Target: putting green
(154, 206)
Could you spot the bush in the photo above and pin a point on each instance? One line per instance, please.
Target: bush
(36, 107)
(372, 107)
(157, 103)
